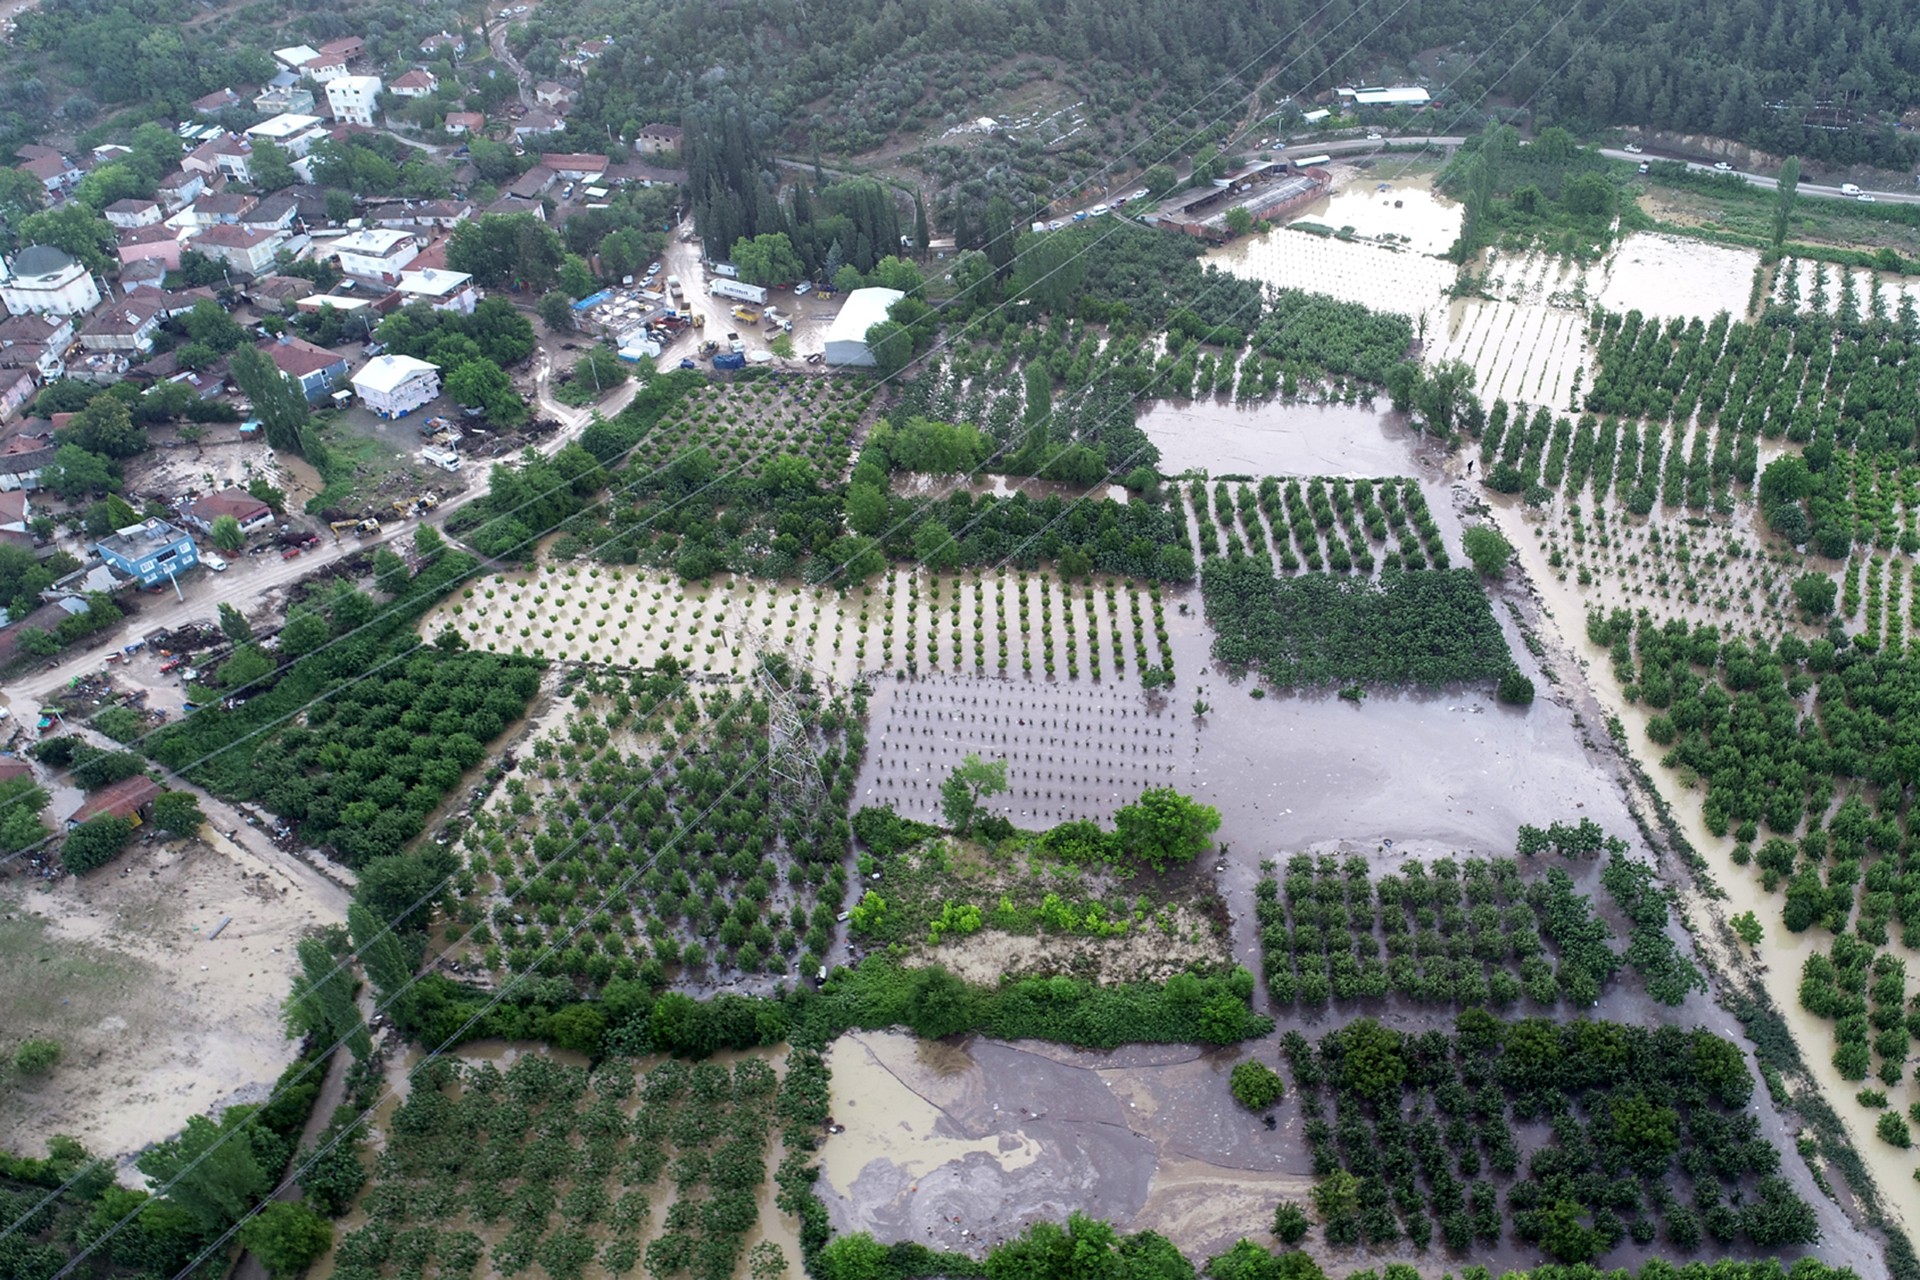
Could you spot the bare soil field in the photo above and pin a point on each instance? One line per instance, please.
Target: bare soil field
(158, 1021)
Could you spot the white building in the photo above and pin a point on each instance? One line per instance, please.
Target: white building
(43, 280)
(293, 133)
(295, 56)
(394, 386)
(1411, 95)
(354, 99)
(376, 255)
(847, 335)
(442, 290)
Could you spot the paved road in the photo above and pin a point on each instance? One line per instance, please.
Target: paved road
(1814, 189)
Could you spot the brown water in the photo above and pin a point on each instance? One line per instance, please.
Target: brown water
(1277, 439)
(1408, 210)
(1668, 276)
(965, 1148)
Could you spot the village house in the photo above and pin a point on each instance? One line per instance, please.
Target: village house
(293, 97)
(223, 208)
(246, 249)
(441, 290)
(252, 514)
(275, 213)
(178, 189)
(218, 102)
(55, 172)
(551, 93)
(314, 367)
(149, 552)
(354, 99)
(293, 133)
(130, 798)
(444, 42)
(575, 166)
(394, 386)
(443, 214)
(138, 244)
(417, 83)
(537, 124)
(376, 255)
(19, 384)
(657, 139)
(125, 325)
(461, 123)
(24, 450)
(132, 213)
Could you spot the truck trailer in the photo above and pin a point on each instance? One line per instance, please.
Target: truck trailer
(743, 292)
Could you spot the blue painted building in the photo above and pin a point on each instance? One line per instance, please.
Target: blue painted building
(149, 552)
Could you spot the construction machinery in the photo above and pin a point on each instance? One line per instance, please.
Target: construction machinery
(746, 315)
(342, 526)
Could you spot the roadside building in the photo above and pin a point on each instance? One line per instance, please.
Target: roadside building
(149, 552)
(130, 798)
(461, 123)
(252, 514)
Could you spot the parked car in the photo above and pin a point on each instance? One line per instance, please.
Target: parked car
(1722, 166)
(802, 289)
(291, 553)
(1632, 148)
(1865, 197)
(213, 562)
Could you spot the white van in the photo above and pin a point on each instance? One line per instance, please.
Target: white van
(1849, 189)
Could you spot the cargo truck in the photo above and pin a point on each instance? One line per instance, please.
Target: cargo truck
(742, 292)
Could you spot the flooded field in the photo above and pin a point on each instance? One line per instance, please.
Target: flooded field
(1386, 279)
(1073, 749)
(907, 620)
(1779, 959)
(1277, 439)
(1667, 276)
(1388, 207)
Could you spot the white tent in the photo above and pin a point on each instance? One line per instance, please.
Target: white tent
(847, 335)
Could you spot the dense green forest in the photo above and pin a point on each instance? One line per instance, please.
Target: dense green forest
(1786, 75)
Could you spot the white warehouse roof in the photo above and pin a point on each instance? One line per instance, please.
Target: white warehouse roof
(1401, 96)
(847, 335)
(386, 373)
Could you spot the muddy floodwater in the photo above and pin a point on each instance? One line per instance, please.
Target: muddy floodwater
(1278, 439)
(1405, 210)
(1666, 276)
(959, 1147)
